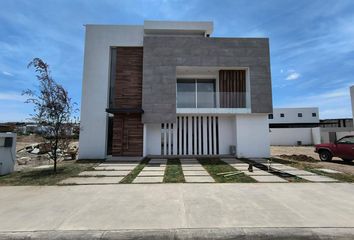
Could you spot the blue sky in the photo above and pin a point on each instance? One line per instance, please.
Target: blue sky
(312, 43)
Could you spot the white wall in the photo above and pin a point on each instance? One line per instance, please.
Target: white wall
(248, 132)
(95, 86)
(227, 136)
(7, 154)
(152, 144)
(316, 135)
(290, 136)
(252, 135)
(339, 134)
(291, 115)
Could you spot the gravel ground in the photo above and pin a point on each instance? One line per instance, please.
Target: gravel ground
(335, 164)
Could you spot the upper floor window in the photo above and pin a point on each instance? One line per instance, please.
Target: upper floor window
(299, 114)
(282, 115)
(195, 93)
(270, 116)
(314, 114)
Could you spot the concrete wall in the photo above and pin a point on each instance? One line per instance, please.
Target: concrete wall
(7, 154)
(152, 143)
(340, 132)
(291, 115)
(290, 136)
(163, 54)
(252, 135)
(95, 84)
(227, 134)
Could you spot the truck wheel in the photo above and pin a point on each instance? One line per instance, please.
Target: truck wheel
(325, 155)
(347, 160)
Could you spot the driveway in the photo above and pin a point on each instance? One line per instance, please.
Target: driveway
(177, 206)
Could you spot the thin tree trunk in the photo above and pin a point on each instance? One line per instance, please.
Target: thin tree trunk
(55, 150)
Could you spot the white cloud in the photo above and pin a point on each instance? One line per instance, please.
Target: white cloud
(292, 75)
(7, 73)
(12, 96)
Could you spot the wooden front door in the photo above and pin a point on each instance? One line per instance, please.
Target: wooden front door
(127, 135)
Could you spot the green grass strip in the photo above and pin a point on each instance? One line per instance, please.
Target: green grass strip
(173, 172)
(135, 172)
(46, 176)
(215, 166)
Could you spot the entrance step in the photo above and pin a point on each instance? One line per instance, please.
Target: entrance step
(124, 159)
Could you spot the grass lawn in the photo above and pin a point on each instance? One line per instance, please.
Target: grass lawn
(215, 166)
(174, 172)
(46, 176)
(135, 172)
(343, 177)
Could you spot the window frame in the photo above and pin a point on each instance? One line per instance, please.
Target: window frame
(195, 82)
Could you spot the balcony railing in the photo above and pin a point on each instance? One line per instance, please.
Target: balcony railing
(211, 100)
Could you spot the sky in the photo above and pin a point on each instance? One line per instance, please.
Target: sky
(311, 43)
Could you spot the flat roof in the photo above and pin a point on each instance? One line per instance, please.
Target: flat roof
(180, 27)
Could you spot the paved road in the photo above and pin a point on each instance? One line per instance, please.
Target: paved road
(177, 206)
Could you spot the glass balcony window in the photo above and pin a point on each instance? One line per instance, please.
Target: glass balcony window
(201, 93)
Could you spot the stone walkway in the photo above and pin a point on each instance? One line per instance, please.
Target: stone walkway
(194, 172)
(105, 173)
(153, 172)
(257, 174)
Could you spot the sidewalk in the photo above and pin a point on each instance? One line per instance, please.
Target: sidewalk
(166, 208)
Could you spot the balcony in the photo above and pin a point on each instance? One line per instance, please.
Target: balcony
(212, 102)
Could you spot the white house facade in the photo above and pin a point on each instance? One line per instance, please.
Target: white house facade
(169, 88)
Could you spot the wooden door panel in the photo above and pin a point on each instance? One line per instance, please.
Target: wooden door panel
(127, 135)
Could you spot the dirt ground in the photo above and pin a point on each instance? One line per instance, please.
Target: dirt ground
(335, 164)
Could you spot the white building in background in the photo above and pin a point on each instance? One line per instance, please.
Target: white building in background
(294, 126)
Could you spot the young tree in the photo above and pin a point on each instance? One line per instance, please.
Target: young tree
(52, 109)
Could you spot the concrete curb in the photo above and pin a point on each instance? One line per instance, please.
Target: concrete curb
(176, 234)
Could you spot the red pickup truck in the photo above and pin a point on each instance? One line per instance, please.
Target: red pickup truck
(343, 148)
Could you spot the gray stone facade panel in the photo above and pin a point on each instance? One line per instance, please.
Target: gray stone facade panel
(162, 54)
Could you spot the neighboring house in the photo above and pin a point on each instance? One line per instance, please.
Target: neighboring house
(334, 129)
(294, 126)
(168, 88)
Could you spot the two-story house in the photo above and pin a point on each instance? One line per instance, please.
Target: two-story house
(169, 88)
